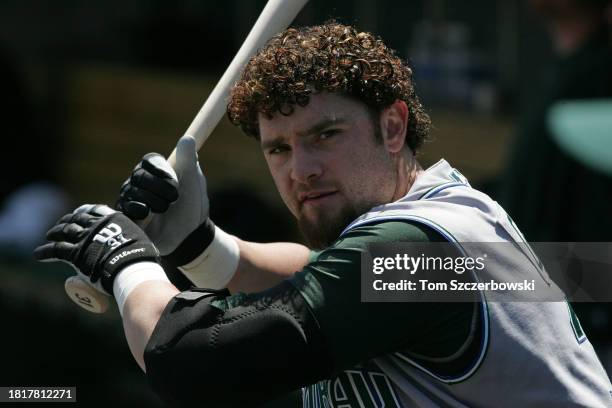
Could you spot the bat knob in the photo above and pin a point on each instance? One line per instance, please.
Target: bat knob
(85, 296)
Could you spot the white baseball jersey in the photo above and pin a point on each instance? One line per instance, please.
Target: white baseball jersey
(531, 353)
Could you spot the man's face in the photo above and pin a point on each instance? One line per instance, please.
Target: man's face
(327, 164)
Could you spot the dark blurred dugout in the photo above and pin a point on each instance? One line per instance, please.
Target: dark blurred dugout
(90, 87)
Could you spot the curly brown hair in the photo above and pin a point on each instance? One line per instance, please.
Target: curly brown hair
(330, 57)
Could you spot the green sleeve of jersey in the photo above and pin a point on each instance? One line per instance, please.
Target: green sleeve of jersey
(357, 331)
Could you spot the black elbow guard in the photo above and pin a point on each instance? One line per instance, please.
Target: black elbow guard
(244, 352)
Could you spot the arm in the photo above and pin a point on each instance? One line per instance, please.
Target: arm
(138, 321)
(241, 350)
(262, 266)
(296, 333)
(190, 244)
(207, 347)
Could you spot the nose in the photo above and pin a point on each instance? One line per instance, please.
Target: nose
(305, 166)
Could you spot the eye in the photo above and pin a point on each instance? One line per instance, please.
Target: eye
(328, 134)
(278, 149)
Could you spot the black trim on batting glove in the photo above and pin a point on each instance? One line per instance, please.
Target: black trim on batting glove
(99, 242)
(187, 251)
(192, 246)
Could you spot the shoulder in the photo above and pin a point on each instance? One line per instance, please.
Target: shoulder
(331, 285)
(357, 239)
(339, 265)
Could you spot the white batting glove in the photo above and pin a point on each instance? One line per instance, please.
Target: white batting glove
(179, 226)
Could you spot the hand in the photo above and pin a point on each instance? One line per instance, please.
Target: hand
(176, 197)
(98, 242)
(180, 227)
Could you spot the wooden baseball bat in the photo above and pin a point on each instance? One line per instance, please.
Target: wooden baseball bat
(275, 17)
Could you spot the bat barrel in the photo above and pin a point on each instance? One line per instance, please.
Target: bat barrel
(275, 17)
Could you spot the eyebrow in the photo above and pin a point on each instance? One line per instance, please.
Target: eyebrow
(316, 128)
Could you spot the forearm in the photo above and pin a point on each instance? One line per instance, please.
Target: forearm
(139, 321)
(142, 293)
(262, 266)
(208, 349)
(211, 258)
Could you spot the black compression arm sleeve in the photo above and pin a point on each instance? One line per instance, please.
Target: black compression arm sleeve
(259, 347)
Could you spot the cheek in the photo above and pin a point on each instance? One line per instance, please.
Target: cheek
(350, 175)
(369, 181)
(283, 185)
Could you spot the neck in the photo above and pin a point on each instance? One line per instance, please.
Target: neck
(408, 169)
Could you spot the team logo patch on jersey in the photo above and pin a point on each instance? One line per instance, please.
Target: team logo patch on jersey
(357, 388)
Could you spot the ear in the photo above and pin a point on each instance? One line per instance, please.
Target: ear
(393, 126)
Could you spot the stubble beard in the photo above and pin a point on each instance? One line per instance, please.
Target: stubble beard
(321, 231)
(323, 228)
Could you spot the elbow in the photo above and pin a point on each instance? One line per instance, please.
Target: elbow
(216, 376)
(217, 366)
(201, 355)
(180, 381)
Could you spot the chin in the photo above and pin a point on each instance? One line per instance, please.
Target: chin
(323, 229)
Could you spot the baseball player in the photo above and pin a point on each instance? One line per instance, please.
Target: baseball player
(339, 124)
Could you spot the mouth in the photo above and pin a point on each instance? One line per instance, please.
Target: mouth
(315, 197)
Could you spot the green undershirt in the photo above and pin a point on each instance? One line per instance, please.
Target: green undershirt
(356, 331)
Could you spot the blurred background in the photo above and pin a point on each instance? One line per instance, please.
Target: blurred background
(519, 91)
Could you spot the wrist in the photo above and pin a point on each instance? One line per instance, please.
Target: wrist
(208, 257)
(133, 275)
(121, 260)
(216, 265)
(192, 246)
(115, 243)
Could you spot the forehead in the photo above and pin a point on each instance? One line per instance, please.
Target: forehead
(321, 107)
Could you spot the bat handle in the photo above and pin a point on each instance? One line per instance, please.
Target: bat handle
(276, 16)
(84, 295)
